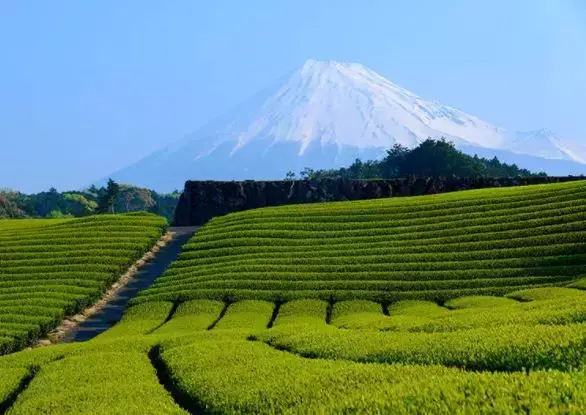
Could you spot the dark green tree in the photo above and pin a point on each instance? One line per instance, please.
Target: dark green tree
(132, 199)
(431, 158)
(435, 158)
(306, 173)
(390, 165)
(92, 189)
(107, 200)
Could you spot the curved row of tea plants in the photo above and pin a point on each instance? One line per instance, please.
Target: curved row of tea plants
(479, 242)
(206, 356)
(485, 334)
(53, 268)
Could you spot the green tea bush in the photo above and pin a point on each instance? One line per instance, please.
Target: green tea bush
(302, 312)
(140, 319)
(235, 376)
(104, 383)
(10, 382)
(303, 365)
(439, 247)
(53, 268)
(478, 301)
(192, 316)
(507, 348)
(249, 314)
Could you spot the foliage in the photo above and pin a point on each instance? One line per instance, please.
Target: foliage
(290, 176)
(85, 203)
(57, 214)
(264, 380)
(53, 268)
(302, 312)
(133, 199)
(9, 209)
(248, 314)
(239, 366)
(107, 201)
(383, 306)
(78, 204)
(431, 158)
(508, 348)
(61, 387)
(141, 319)
(479, 242)
(10, 380)
(192, 316)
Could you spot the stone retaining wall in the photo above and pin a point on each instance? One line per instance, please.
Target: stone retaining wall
(203, 200)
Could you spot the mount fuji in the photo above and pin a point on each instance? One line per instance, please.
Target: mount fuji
(327, 114)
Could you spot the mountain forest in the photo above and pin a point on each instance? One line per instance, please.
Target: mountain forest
(431, 158)
(112, 198)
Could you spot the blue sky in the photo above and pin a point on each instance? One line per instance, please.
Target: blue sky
(89, 87)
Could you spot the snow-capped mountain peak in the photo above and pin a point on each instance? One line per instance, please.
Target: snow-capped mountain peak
(349, 105)
(324, 115)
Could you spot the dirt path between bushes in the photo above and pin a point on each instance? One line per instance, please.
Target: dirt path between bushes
(109, 309)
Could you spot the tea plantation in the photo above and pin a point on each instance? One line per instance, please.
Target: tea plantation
(53, 268)
(460, 303)
(488, 242)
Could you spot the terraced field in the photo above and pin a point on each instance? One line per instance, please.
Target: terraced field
(481, 242)
(313, 317)
(53, 268)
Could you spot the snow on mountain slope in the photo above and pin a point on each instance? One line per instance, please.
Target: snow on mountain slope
(324, 115)
(350, 105)
(545, 143)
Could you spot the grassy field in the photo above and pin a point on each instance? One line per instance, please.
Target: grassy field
(301, 309)
(53, 268)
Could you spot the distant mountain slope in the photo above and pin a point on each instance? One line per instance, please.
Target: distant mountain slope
(324, 115)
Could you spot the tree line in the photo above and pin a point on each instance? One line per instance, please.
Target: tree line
(112, 198)
(431, 158)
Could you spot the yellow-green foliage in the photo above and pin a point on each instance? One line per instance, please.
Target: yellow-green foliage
(303, 365)
(558, 306)
(141, 319)
(53, 268)
(193, 315)
(302, 312)
(250, 314)
(356, 313)
(478, 301)
(507, 348)
(552, 293)
(10, 381)
(99, 383)
(236, 376)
